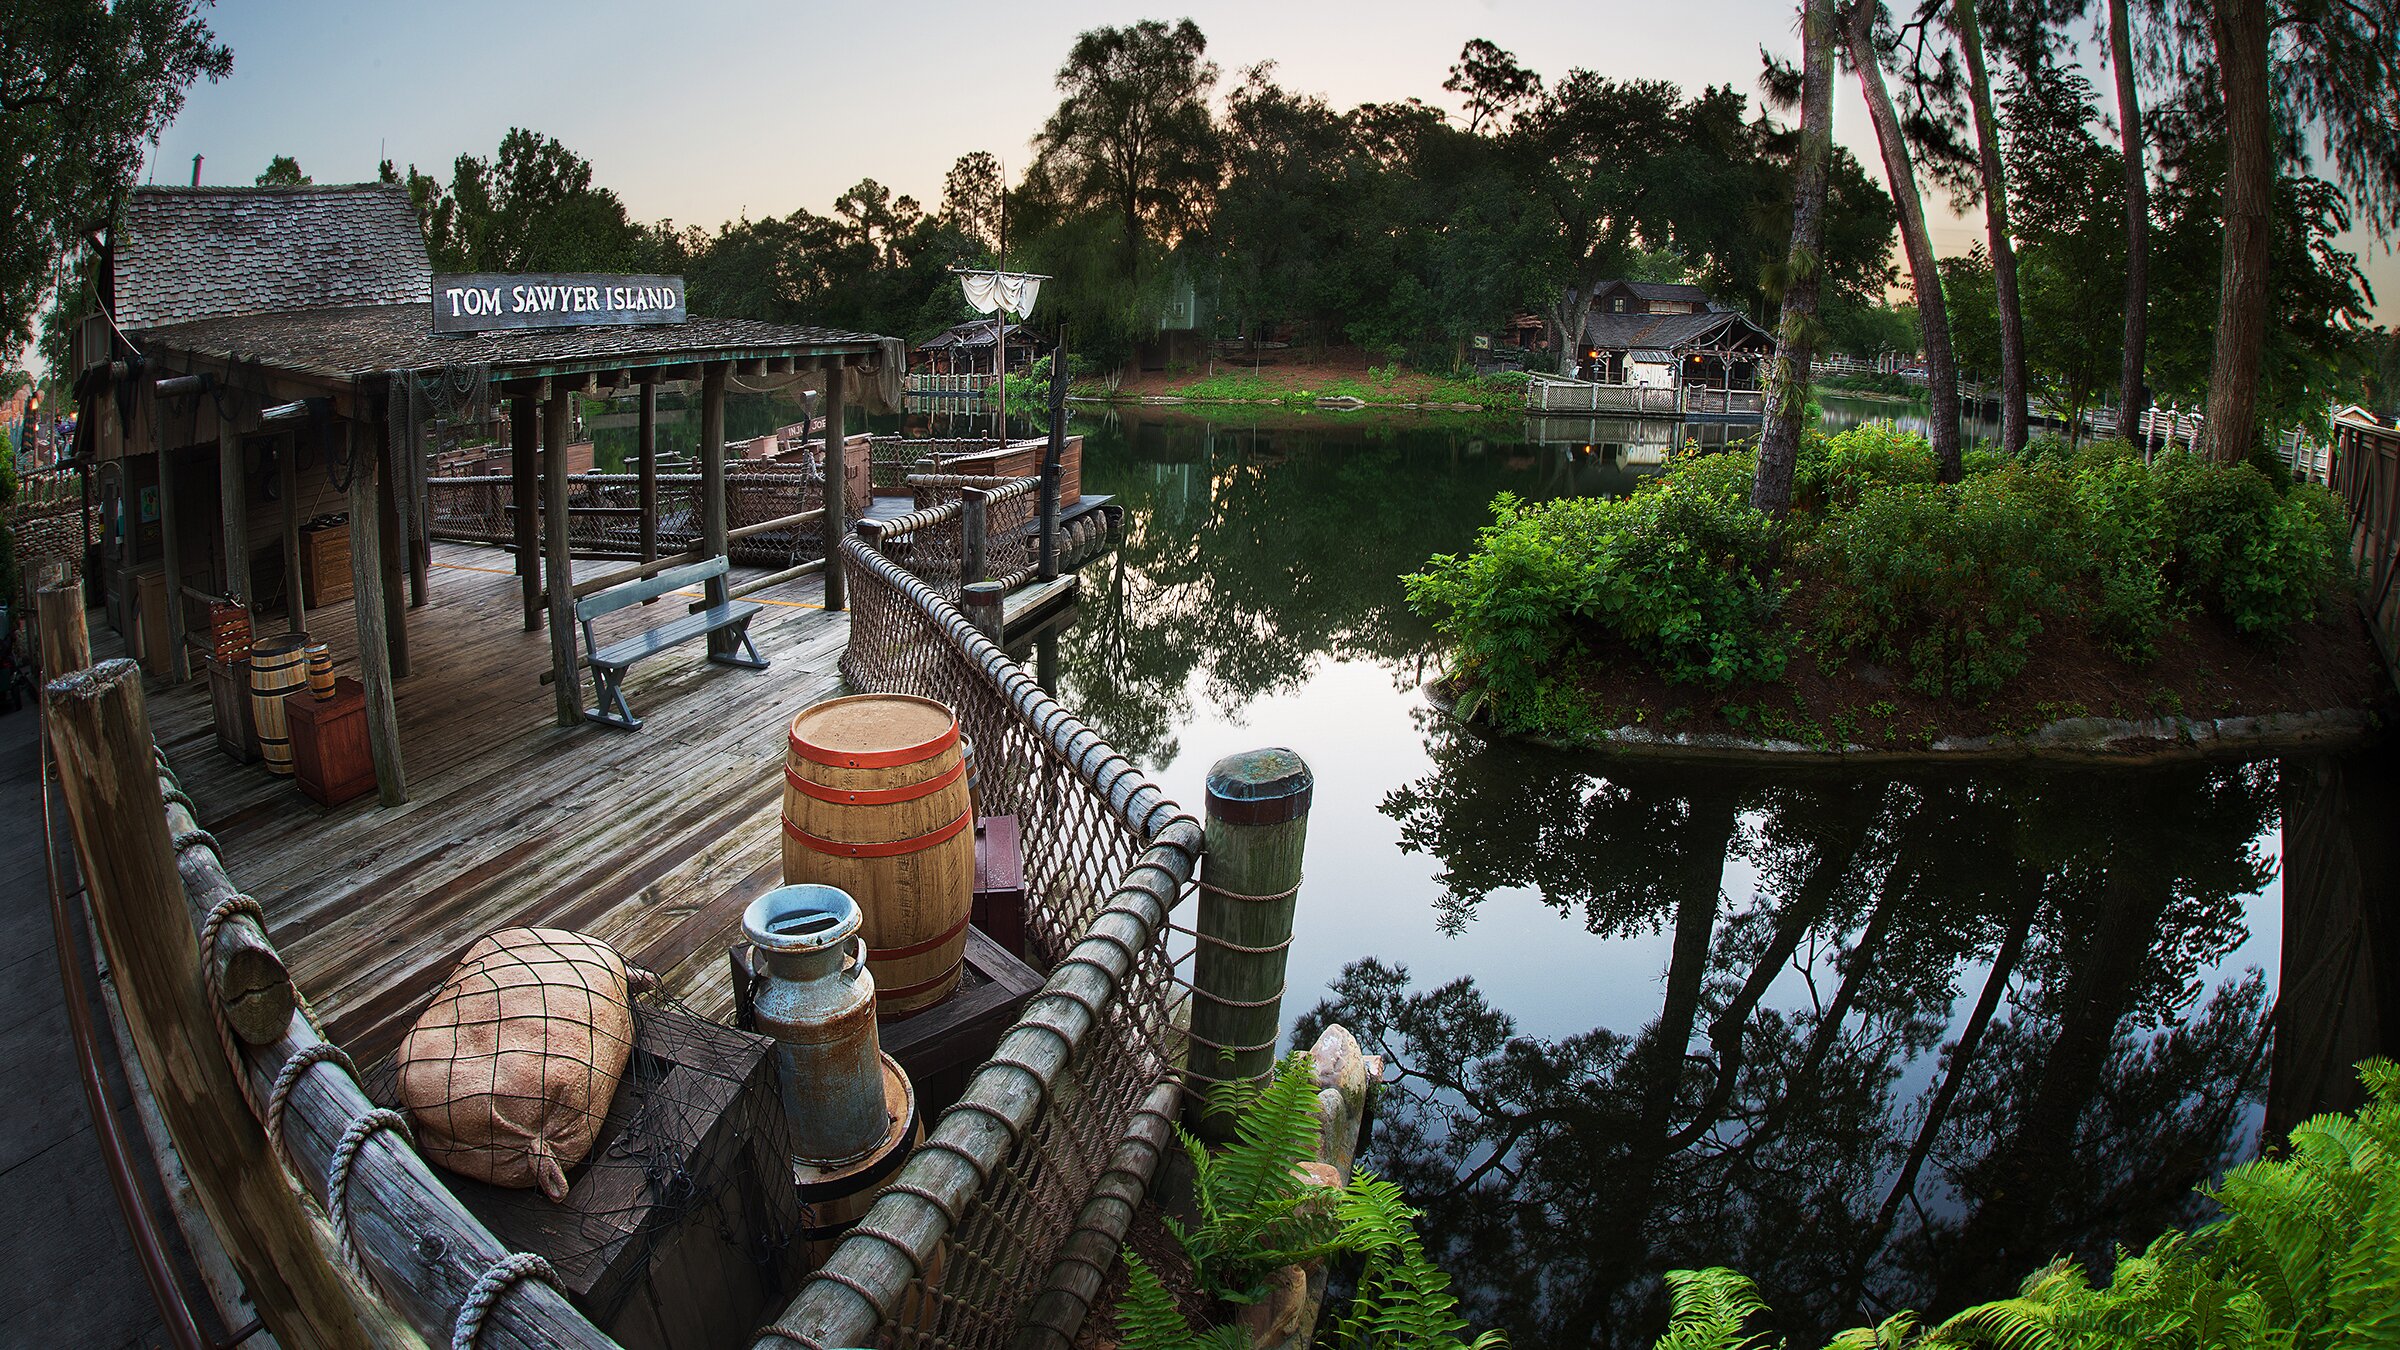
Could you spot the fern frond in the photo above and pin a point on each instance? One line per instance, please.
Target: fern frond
(1147, 1318)
(1708, 1309)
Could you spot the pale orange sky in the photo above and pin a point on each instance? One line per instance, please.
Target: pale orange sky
(703, 112)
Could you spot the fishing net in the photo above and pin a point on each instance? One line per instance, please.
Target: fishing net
(509, 1072)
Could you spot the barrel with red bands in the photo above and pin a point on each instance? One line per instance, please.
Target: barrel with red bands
(875, 802)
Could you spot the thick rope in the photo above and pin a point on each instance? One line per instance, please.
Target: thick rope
(1253, 899)
(288, 1077)
(337, 1174)
(504, 1274)
(219, 915)
(1221, 944)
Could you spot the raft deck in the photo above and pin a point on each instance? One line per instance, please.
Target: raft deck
(653, 840)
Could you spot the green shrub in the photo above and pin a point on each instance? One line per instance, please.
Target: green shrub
(1675, 571)
(1952, 580)
(1831, 473)
(2255, 556)
(2122, 517)
(2304, 1256)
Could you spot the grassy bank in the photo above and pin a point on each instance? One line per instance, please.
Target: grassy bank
(1890, 610)
(1332, 383)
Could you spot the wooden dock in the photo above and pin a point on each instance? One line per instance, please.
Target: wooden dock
(653, 840)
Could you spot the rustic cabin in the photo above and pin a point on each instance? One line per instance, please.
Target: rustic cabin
(966, 349)
(1664, 349)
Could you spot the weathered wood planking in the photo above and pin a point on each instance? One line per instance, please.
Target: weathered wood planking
(653, 841)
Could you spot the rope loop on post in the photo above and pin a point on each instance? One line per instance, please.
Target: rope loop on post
(504, 1274)
(337, 1173)
(1252, 899)
(288, 1077)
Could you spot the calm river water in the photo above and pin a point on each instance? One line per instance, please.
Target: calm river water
(1878, 1040)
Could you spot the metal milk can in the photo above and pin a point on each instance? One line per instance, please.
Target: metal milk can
(816, 998)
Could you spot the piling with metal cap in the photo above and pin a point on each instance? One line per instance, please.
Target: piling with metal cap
(817, 999)
(1256, 827)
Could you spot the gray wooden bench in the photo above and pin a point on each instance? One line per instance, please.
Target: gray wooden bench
(726, 625)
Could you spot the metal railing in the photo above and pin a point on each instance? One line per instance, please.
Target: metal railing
(988, 1236)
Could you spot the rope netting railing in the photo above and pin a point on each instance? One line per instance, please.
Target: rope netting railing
(974, 1242)
(604, 511)
(891, 459)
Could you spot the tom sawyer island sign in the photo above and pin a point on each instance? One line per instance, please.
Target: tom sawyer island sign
(478, 302)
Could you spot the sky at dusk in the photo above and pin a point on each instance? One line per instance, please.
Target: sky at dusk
(703, 112)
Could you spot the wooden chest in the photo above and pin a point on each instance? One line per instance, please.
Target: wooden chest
(999, 905)
(330, 757)
(325, 564)
(679, 1231)
(229, 699)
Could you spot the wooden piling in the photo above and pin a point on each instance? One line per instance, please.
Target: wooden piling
(981, 602)
(1257, 827)
(567, 680)
(107, 775)
(391, 547)
(366, 585)
(287, 480)
(714, 541)
(233, 497)
(59, 626)
(974, 524)
(837, 480)
(524, 493)
(1053, 460)
(646, 464)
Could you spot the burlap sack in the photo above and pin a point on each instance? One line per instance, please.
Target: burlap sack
(510, 1070)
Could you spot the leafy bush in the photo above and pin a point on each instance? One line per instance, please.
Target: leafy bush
(1954, 580)
(1831, 473)
(2302, 1257)
(2124, 519)
(2256, 556)
(1675, 571)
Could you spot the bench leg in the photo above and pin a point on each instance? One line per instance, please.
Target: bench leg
(613, 711)
(737, 648)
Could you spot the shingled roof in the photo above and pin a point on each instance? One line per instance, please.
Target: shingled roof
(1665, 332)
(203, 253)
(1647, 291)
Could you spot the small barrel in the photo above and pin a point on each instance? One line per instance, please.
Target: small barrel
(278, 665)
(875, 803)
(320, 671)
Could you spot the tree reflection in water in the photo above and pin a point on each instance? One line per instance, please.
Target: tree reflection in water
(1963, 1024)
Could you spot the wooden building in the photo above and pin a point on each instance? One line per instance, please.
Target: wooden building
(267, 359)
(966, 349)
(1653, 336)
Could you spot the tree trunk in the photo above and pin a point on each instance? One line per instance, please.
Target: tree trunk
(1788, 382)
(2013, 419)
(2133, 393)
(2240, 27)
(1569, 314)
(1941, 367)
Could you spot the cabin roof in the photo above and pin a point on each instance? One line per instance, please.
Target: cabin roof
(199, 253)
(367, 339)
(972, 333)
(1671, 332)
(1657, 290)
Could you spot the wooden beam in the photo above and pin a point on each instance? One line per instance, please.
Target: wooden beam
(108, 776)
(523, 479)
(170, 542)
(366, 587)
(837, 506)
(59, 626)
(287, 476)
(389, 550)
(234, 505)
(713, 543)
(646, 466)
(567, 680)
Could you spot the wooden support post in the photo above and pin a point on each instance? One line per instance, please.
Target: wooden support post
(366, 585)
(523, 494)
(837, 489)
(981, 604)
(1053, 459)
(170, 540)
(390, 546)
(646, 465)
(974, 525)
(59, 624)
(234, 504)
(566, 678)
(254, 991)
(287, 481)
(713, 542)
(108, 777)
(1257, 825)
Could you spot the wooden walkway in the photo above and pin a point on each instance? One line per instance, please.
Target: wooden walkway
(653, 840)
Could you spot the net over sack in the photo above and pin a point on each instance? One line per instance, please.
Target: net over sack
(511, 1069)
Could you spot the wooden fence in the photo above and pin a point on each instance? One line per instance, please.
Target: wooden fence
(1548, 394)
(2366, 475)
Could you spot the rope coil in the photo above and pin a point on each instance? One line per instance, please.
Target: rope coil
(503, 1275)
(288, 1077)
(337, 1174)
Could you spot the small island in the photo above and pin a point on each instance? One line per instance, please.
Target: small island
(2070, 601)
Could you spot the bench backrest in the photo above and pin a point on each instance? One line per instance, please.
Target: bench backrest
(635, 592)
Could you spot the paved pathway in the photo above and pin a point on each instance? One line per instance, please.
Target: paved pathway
(72, 1277)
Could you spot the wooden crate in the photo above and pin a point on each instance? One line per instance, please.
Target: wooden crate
(685, 1246)
(325, 564)
(229, 700)
(330, 757)
(999, 905)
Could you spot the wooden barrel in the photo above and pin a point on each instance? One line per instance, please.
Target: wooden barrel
(875, 802)
(278, 665)
(320, 671)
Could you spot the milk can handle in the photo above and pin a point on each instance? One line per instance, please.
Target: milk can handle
(858, 948)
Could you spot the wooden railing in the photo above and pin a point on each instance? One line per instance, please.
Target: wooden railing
(1549, 394)
(925, 382)
(2366, 475)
